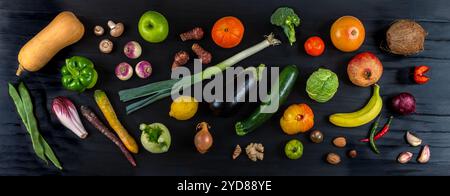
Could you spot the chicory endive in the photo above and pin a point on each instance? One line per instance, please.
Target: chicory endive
(67, 114)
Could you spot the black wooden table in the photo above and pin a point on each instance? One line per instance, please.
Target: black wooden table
(21, 19)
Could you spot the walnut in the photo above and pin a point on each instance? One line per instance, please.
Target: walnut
(255, 151)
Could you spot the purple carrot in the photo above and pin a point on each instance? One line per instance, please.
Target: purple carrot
(93, 119)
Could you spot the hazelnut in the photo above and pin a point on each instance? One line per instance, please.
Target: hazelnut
(106, 46)
(98, 30)
(333, 158)
(352, 154)
(340, 142)
(316, 136)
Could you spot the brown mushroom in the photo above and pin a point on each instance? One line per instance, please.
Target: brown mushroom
(116, 28)
(98, 30)
(106, 46)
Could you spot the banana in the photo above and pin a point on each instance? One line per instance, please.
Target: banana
(363, 116)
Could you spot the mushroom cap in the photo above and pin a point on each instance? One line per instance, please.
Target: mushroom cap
(106, 46)
(117, 29)
(98, 30)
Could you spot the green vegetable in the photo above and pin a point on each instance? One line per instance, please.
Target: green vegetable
(372, 136)
(294, 149)
(286, 18)
(286, 81)
(322, 85)
(155, 137)
(78, 74)
(24, 106)
(162, 89)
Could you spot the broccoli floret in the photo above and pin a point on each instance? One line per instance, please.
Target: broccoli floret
(286, 17)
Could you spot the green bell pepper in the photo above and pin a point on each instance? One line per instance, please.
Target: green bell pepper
(78, 74)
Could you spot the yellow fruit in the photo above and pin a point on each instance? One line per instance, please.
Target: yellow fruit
(362, 116)
(183, 108)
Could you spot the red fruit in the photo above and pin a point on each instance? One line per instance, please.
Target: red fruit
(364, 69)
(314, 46)
(419, 74)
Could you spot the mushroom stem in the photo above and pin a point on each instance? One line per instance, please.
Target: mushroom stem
(111, 24)
(116, 29)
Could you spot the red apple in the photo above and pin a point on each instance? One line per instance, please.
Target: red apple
(364, 69)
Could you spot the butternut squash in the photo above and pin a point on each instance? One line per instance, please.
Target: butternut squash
(64, 30)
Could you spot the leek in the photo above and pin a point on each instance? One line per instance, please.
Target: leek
(159, 90)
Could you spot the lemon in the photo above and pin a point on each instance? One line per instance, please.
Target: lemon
(183, 108)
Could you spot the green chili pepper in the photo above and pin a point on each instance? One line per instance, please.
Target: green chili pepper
(24, 106)
(78, 74)
(372, 135)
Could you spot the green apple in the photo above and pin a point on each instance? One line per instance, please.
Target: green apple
(153, 27)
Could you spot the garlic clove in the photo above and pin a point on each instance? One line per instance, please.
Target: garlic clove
(412, 139)
(424, 155)
(404, 157)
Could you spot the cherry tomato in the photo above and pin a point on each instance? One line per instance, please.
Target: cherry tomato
(314, 46)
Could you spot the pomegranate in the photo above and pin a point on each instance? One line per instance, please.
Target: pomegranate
(364, 69)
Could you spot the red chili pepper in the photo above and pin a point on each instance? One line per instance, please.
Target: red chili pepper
(382, 132)
(419, 74)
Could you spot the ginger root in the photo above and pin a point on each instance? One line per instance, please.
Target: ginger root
(194, 34)
(255, 151)
(180, 59)
(202, 54)
(237, 151)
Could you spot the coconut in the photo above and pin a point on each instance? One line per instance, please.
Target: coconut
(405, 37)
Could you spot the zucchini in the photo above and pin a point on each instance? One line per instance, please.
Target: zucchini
(224, 108)
(286, 80)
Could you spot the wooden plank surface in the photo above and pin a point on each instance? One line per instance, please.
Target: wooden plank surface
(21, 19)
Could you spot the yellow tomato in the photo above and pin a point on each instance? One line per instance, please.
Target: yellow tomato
(297, 118)
(347, 33)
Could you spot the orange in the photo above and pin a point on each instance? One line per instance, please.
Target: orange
(227, 32)
(347, 33)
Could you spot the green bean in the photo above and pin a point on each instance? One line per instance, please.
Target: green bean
(37, 146)
(31, 119)
(18, 102)
(24, 106)
(50, 154)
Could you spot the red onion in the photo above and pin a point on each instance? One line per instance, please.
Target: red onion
(67, 114)
(404, 103)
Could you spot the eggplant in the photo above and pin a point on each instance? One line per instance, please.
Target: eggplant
(224, 108)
